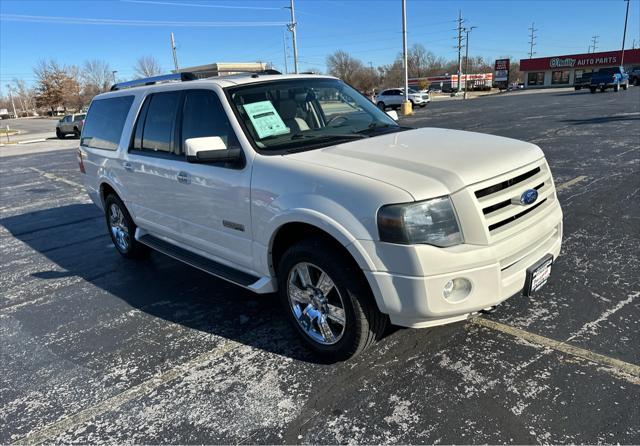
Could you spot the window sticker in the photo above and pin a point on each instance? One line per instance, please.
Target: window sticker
(265, 119)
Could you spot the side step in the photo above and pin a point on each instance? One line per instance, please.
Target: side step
(197, 261)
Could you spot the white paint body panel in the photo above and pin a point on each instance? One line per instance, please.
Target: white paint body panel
(339, 190)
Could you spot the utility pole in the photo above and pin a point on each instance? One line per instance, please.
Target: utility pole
(532, 41)
(284, 47)
(406, 105)
(173, 50)
(292, 27)
(466, 61)
(624, 34)
(459, 49)
(15, 113)
(113, 73)
(594, 42)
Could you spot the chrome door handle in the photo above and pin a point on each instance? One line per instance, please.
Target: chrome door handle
(127, 166)
(183, 177)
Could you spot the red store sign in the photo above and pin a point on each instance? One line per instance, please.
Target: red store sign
(607, 58)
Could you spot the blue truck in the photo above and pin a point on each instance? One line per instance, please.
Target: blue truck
(613, 77)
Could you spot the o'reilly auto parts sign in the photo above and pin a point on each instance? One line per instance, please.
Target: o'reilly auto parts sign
(501, 70)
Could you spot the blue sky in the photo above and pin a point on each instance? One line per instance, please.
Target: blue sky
(368, 29)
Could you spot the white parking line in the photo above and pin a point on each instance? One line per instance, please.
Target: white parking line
(623, 367)
(568, 184)
(53, 177)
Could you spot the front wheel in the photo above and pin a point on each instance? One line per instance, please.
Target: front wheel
(381, 105)
(616, 87)
(59, 134)
(328, 300)
(578, 88)
(625, 85)
(122, 229)
(592, 89)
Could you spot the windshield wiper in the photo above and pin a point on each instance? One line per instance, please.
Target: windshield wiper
(328, 136)
(374, 126)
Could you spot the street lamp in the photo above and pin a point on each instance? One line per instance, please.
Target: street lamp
(466, 61)
(624, 34)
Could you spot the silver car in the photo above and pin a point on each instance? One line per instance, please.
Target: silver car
(70, 125)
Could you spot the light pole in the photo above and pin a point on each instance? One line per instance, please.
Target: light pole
(113, 73)
(15, 113)
(624, 34)
(406, 105)
(466, 61)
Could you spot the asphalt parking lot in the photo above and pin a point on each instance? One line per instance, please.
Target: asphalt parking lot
(97, 349)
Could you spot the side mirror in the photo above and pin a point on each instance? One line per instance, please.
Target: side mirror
(210, 149)
(393, 114)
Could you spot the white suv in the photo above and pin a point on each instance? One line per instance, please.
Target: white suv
(299, 184)
(393, 98)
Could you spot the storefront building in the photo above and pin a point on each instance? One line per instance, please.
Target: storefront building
(561, 71)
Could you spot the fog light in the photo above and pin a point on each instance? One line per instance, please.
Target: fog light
(456, 290)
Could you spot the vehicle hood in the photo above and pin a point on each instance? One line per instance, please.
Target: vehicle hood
(427, 162)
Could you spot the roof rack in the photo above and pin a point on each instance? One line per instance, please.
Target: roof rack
(154, 80)
(252, 73)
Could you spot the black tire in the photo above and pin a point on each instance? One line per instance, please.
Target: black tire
(59, 134)
(364, 324)
(625, 86)
(76, 132)
(603, 89)
(381, 105)
(592, 89)
(636, 81)
(578, 88)
(616, 87)
(133, 249)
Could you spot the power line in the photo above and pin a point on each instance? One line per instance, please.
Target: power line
(532, 40)
(122, 22)
(199, 5)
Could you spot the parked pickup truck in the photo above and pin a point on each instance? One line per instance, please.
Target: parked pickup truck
(614, 77)
(583, 82)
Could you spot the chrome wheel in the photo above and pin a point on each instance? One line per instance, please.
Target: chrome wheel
(119, 229)
(316, 303)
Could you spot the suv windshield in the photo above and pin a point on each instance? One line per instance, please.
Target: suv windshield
(301, 114)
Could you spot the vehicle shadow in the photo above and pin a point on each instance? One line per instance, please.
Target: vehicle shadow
(74, 237)
(600, 120)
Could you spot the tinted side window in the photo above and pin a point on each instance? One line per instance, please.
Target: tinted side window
(105, 121)
(159, 126)
(203, 116)
(78, 118)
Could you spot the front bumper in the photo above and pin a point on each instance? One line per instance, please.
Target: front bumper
(412, 298)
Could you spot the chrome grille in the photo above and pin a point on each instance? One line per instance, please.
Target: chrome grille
(498, 199)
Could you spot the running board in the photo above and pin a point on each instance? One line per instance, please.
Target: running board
(202, 263)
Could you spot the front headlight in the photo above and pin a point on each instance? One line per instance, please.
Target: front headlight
(432, 222)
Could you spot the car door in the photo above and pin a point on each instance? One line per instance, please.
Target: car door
(396, 97)
(152, 166)
(64, 124)
(215, 203)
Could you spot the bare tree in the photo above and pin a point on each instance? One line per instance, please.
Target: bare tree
(343, 66)
(57, 86)
(96, 76)
(147, 66)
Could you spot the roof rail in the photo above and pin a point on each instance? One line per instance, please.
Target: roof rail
(154, 80)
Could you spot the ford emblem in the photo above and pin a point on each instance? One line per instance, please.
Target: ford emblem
(528, 197)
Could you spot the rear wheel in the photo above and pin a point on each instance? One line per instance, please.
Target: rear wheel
(616, 87)
(603, 89)
(592, 89)
(328, 300)
(578, 88)
(625, 85)
(381, 105)
(122, 229)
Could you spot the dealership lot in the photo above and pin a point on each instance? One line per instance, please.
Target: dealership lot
(98, 349)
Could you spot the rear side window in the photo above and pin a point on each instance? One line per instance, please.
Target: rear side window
(105, 121)
(158, 133)
(204, 116)
(78, 117)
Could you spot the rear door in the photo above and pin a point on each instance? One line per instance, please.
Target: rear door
(152, 166)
